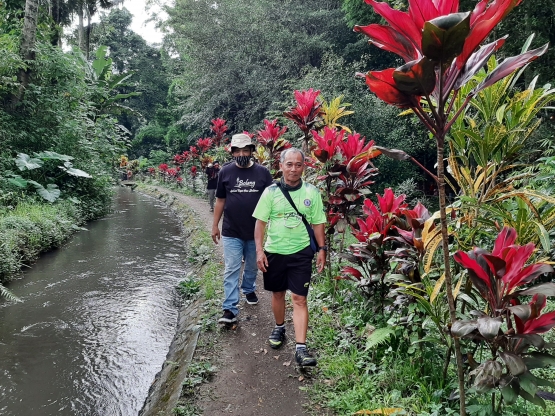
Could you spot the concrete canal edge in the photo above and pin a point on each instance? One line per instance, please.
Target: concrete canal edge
(165, 390)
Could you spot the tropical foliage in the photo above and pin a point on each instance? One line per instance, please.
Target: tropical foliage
(407, 291)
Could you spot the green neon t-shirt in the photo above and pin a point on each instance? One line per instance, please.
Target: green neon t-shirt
(286, 232)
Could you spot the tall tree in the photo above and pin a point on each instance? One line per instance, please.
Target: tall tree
(28, 40)
(233, 58)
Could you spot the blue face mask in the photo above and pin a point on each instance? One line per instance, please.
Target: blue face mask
(242, 161)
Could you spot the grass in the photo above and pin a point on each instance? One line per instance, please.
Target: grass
(32, 228)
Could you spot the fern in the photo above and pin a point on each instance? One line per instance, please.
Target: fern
(5, 293)
(378, 337)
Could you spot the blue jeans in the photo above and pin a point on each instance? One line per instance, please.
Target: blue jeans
(235, 250)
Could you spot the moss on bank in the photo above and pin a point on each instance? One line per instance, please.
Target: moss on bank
(33, 228)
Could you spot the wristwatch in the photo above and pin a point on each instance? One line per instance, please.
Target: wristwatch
(325, 248)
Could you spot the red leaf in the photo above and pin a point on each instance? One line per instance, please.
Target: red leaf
(398, 20)
(528, 274)
(382, 84)
(482, 22)
(388, 39)
(391, 204)
(421, 11)
(468, 263)
(506, 238)
(541, 324)
(477, 61)
(446, 6)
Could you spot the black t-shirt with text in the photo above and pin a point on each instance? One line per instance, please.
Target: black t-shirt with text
(241, 188)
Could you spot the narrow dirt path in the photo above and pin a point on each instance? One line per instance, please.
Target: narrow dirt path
(252, 379)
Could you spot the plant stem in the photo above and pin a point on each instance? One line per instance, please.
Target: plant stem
(440, 139)
(446, 363)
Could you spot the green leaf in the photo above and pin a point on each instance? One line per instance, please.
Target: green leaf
(538, 401)
(73, 171)
(500, 113)
(443, 37)
(510, 394)
(18, 181)
(379, 336)
(544, 236)
(5, 293)
(25, 162)
(538, 360)
(528, 384)
(50, 193)
(48, 155)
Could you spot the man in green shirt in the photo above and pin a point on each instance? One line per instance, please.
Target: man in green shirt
(286, 257)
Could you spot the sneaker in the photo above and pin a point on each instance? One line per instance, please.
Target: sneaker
(227, 318)
(276, 338)
(252, 299)
(304, 359)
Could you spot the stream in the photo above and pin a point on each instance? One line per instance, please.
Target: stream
(97, 318)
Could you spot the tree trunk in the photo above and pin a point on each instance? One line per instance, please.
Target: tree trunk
(28, 40)
(81, 29)
(440, 138)
(56, 29)
(88, 36)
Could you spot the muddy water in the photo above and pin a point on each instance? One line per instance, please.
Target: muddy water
(97, 317)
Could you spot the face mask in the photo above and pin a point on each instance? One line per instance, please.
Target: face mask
(242, 161)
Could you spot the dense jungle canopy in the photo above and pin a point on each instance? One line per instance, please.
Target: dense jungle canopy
(236, 60)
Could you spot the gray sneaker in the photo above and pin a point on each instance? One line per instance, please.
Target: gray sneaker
(304, 358)
(277, 337)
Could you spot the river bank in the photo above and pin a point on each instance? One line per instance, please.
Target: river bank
(96, 317)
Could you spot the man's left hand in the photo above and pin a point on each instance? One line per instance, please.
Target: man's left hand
(321, 260)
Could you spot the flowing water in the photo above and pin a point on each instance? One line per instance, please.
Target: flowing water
(97, 317)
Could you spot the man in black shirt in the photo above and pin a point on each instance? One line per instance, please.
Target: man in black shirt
(212, 171)
(240, 185)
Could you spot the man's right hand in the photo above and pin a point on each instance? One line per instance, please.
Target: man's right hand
(261, 261)
(216, 234)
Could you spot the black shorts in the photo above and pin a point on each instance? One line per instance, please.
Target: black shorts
(290, 271)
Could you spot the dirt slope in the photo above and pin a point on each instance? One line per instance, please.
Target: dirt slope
(252, 379)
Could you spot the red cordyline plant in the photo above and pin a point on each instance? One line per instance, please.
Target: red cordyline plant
(442, 52)
(385, 226)
(219, 128)
(204, 144)
(509, 328)
(306, 114)
(272, 145)
(346, 174)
